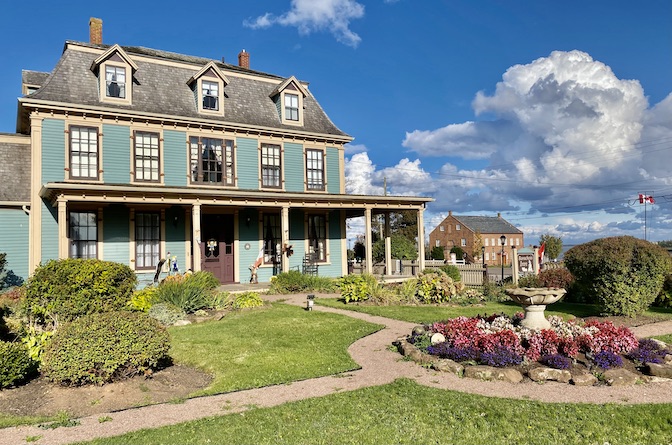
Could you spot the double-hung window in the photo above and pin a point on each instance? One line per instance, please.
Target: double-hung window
(83, 233)
(291, 107)
(317, 236)
(211, 160)
(210, 92)
(84, 152)
(270, 166)
(147, 240)
(115, 81)
(146, 156)
(271, 234)
(315, 169)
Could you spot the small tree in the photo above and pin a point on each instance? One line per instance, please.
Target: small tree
(402, 249)
(459, 253)
(623, 274)
(553, 245)
(437, 253)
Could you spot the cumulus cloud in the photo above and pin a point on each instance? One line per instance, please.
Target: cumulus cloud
(316, 15)
(407, 178)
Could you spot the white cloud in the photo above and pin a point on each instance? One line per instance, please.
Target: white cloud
(351, 149)
(317, 15)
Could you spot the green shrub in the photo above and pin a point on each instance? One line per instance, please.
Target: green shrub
(188, 292)
(245, 300)
(105, 347)
(15, 364)
(63, 290)
(143, 299)
(623, 274)
(664, 298)
(166, 313)
(560, 277)
(452, 271)
(295, 282)
(531, 280)
(36, 341)
(358, 287)
(437, 287)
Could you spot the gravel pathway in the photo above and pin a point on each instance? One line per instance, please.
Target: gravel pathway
(379, 366)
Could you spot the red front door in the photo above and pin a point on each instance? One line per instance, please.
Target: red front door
(217, 246)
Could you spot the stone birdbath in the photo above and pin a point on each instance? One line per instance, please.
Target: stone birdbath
(534, 301)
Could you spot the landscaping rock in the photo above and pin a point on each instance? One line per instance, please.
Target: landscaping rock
(620, 377)
(491, 373)
(542, 374)
(660, 370)
(181, 323)
(583, 379)
(409, 350)
(437, 338)
(419, 330)
(447, 365)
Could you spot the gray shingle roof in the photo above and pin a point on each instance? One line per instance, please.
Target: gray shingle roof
(487, 224)
(15, 171)
(34, 77)
(160, 88)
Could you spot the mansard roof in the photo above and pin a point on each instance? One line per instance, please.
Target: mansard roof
(160, 87)
(15, 168)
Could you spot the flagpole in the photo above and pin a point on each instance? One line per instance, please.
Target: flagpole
(645, 220)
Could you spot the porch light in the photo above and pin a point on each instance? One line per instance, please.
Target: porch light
(310, 300)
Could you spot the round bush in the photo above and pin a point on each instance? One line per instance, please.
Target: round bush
(15, 364)
(101, 348)
(63, 290)
(623, 274)
(166, 313)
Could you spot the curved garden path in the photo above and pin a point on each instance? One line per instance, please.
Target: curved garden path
(379, 366)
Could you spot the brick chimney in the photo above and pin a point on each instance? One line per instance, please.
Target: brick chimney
(244, 60)
(95, 31)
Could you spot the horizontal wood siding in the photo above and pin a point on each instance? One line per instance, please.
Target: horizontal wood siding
(333, 171)
(294, 172)
(49, 232)
(175, 237)
(175, 158)
(14, 243)
(116, 234)
(247, 163)
(53, 150)
(297, 237)
(116, 153)
(248, 233)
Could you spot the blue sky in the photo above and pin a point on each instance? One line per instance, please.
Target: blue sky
(556, 114)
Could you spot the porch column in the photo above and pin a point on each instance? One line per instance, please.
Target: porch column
(62, 227)
(284, 237)
(368, 261)
(388, 245)
(196, 235)
(421, 239)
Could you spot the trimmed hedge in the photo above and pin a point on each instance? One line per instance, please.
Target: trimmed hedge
(15, 364)
(63, 290)
(623, 274)
(105, 347)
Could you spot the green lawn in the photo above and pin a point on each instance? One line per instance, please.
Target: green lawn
(404, 412)
(269, 346)
(429, 314)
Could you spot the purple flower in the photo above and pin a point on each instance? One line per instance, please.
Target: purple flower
(501, 357)
(607, 360)
(556, 361)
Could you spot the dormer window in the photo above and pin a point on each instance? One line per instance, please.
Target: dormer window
(115, 69)
(289, 97)
(210, 95)
(115, 81)
(291, 107)
(208, 86)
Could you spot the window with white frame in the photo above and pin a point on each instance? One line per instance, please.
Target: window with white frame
(147, 240)
(441, 229)
(438, 243)
(115, 81)
(291, 107)
(83, 234)
(271, 235)
(146, 156)
(210, 92)
(315, 169)
(270, 166)
(463, 242)
(486, 242)
(317, 236)
(84, 152)
(211, 161)
(458, 227)
(487, 256)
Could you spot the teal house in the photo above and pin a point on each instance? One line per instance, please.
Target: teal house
(134, 155)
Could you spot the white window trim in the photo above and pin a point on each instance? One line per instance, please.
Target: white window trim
(220, 101)
(102, 83)
(156, 130)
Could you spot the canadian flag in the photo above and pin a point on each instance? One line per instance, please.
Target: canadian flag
(541, 253)
(645, 199)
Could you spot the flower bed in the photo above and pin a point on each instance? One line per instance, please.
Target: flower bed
(500, 341)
